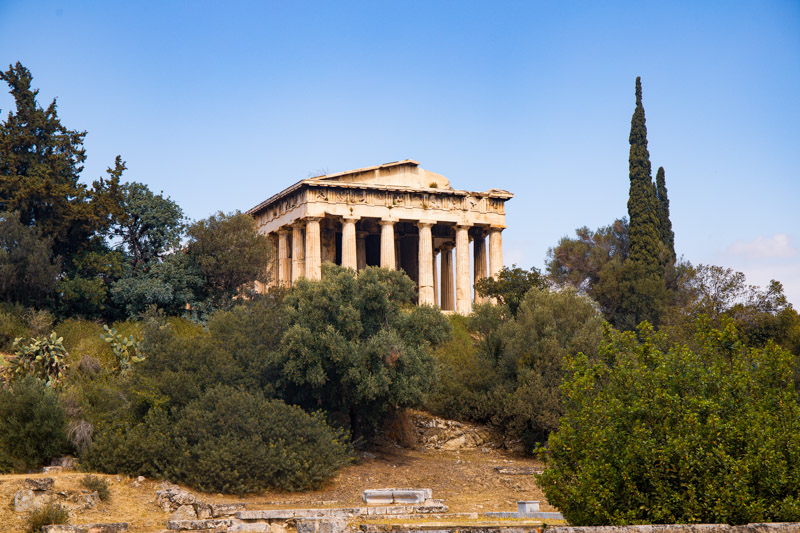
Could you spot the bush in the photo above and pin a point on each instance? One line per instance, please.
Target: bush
(661, 434)
(97, 484)
(32, 425)
(228, 441)
(12, 325)
(42, 357)
(47, 515)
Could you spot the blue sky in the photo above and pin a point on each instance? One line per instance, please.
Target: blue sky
(221, 104)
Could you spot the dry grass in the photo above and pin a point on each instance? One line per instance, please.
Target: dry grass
(465, 479)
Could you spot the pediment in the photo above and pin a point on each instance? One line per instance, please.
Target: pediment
(406, 173)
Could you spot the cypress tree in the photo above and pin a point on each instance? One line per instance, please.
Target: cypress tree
(645, 231)
(667, 235)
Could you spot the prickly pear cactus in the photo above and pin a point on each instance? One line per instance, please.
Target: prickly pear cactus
(43, 357)
(126, 349)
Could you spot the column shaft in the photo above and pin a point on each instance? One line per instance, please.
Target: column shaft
(387, 245)
(349, 252)
(479, 250)
(298, 252)
(463, 292)
(426, 295)
(495, 252)
(436, 300)
(447, 278)
(313, 249)
(284, 260)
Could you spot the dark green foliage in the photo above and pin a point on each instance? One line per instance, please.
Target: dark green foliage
(227, 440)
(511, 285)
(12, 325)
(659, 433)
(168, 285)
(97, 484)
(645, 231)
(28, 272)
(231, 255)
(505, 371)
(150, 224)
(32, 424)
(49, 514)
(352, 349)
(667, 235)
(40, 165)
(85, 291)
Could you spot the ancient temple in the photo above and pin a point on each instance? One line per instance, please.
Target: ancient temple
(395, 215)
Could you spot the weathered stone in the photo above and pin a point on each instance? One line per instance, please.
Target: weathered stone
(24, 500)
(184, 512)
(52, 469)
(258, 527)
(91, 500)
(524, 507)
(265, 515)
(183, 525)
(321, 525)
(41, 484)
(226, 509)
(378, 497)
(203, 510)
(428, 509)
(517, 470)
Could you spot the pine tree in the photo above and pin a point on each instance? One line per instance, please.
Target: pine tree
(667, 235)
(645, 231)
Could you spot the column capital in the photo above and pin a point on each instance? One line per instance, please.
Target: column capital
(298, 224)
(312, 219)
(283, 231)
(464, 224)
(425, 223)
(447, 247)
(387, 222)
(497, 227)
(351, 218)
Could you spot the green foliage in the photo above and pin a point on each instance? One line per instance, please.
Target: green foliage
(32, 424)
(12, 324)
(42, 357)
(28, 273)
(150, 224)
(511, 285)
(227, 440)
(126, 349)
(352, 349)
(170, 285)
(231, 254)
(97, 484)
(49, 514)
(667, 235)
(40, 166)
(86, 290)
(655, 433)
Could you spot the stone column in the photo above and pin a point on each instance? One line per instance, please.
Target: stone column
(495, 252)
(313, 249)
(298, 252)
(387, 244)
(463, 300)
(479, 251)
(447, 278)
(349, 252)
(436, 300)
(426, 294)
(361, 249)
(284, 261)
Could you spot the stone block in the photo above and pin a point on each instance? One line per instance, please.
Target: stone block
(52, 469)
(40, 484)
(321, 525)
(258, 527)
(184, 525)
(24, 500)
(116, 527)
(409, 496)
(277, 514)
(226, 509)
(429, 509)
(525, 507)
(203, 510)
(378, 497)
(184, 512)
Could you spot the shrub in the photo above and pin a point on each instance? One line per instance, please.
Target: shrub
(97, 484)
(12, 325)
(662, 434)
(229, 441)
(32, 424)
(47, 515)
